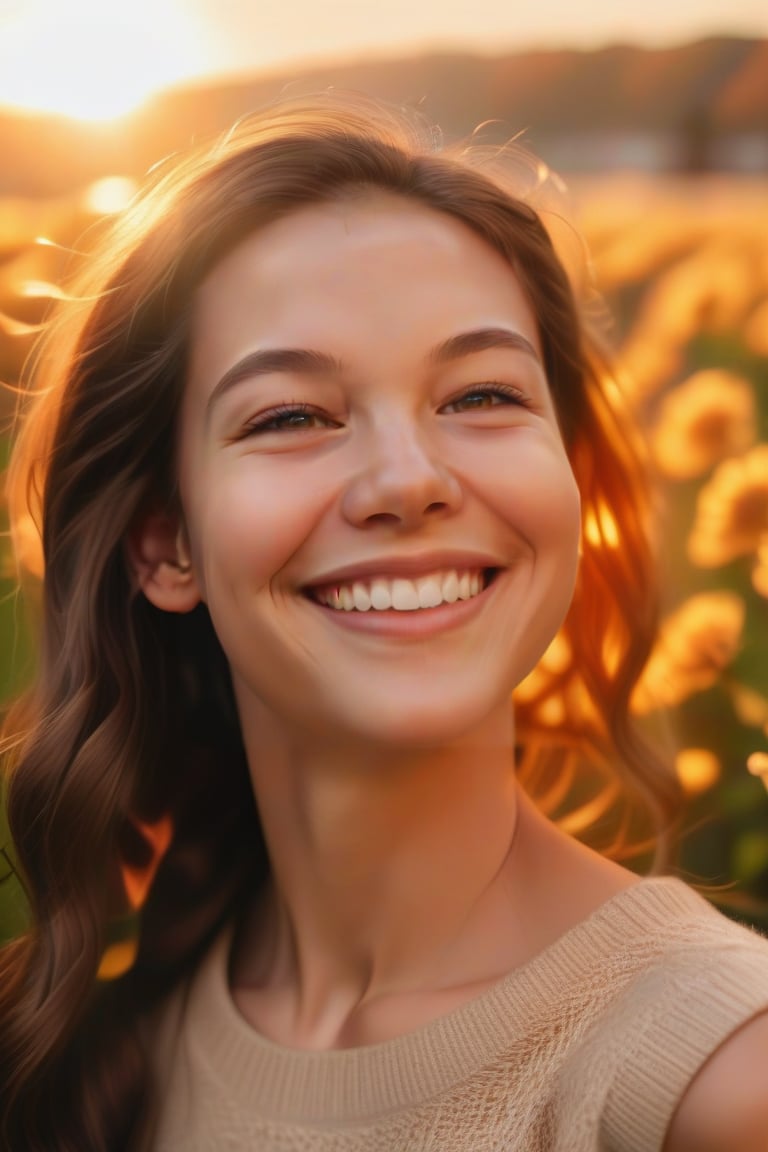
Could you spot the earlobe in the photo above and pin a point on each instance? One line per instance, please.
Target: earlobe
(158, 555)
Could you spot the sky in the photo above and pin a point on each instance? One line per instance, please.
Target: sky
(98, 59)
(334, 26)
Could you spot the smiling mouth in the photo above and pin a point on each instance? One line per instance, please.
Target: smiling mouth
(401, 594)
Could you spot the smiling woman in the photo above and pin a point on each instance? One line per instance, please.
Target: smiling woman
(95, 61)
(458, 376)
(326, 462)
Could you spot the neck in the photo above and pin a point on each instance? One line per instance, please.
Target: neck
(386, 864)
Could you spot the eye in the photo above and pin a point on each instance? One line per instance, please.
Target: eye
(289, 418)
(490, 395)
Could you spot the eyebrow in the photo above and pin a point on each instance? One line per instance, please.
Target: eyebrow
(308, 361)
(481, 340)
(270, 360)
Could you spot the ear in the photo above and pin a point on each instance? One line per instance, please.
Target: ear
(158, 555)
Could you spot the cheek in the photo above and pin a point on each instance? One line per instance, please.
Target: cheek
(555, 510)
(246, 526)
(537, 495)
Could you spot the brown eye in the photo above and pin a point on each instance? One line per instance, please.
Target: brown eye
(293, 420)
(478, 400)
(485, 396)
(289, 418)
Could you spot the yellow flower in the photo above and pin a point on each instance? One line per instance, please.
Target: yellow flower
(732, 512)
(709, 290)
(750, 706)
(697, 769)
(709, 417)
(695, 644)
(757, 764)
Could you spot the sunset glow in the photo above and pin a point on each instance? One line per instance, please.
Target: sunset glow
(95, 61)
(100, 59)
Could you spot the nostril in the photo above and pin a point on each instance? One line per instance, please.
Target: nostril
(386, 518)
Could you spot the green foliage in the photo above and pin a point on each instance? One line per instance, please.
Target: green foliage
(15, 648)
(13, 901)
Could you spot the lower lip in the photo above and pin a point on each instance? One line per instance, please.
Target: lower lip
(419, 623)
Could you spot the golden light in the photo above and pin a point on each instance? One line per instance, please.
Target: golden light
(551, 712)
(600, 528)
(123, 942)
(697, 769)
(96, 61)
(118, 958)
(137, 878)
(110, 194)
(751, 707)
(757, 764)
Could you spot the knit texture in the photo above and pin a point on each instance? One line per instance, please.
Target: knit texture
(587, 1048)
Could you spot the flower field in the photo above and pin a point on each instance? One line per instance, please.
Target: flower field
(683, 265)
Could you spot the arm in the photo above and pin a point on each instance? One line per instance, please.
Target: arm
(725, 1108)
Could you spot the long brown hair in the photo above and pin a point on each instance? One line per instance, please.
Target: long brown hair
(131, 717)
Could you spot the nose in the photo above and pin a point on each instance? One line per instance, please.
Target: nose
(402, 482)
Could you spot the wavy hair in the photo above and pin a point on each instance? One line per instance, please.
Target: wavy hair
(131, 718)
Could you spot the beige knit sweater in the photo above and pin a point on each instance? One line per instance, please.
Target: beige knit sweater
(587, 1048)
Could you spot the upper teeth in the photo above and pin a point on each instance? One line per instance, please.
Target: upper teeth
(402, 595)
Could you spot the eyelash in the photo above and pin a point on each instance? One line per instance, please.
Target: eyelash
(493, 388)
(278, 418)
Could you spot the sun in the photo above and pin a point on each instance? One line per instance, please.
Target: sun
(95, 59)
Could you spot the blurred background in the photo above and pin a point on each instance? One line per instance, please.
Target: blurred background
(657, 120)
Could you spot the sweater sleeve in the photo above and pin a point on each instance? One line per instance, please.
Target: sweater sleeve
(673, 1021)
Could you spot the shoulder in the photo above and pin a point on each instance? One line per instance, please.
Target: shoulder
(689, 1029)
(725, 1108)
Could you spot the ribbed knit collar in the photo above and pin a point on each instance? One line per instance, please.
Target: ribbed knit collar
(287, 1084)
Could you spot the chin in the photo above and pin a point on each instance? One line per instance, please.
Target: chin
(419, 723)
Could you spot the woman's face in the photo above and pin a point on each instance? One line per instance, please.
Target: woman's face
(381, 514)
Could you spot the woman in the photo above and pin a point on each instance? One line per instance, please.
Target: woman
(311, 463)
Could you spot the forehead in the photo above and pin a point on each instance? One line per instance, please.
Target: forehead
(357, 218)
(371, 263)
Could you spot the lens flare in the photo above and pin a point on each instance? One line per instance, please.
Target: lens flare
(94, 61)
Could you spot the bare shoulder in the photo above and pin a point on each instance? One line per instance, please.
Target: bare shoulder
(725, 1108)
